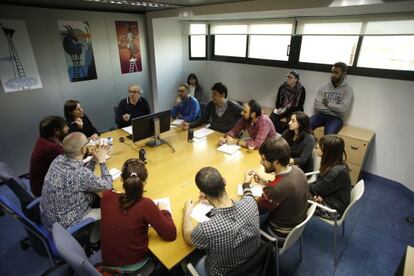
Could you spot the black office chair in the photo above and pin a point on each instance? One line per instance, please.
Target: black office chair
(203, 108)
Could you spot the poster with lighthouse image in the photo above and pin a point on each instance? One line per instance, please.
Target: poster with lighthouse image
(18, 68)
(77, 45)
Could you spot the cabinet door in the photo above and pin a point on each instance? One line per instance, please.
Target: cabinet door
(354, 173)
(355, 150)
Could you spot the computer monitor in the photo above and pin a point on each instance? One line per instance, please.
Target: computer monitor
(151, 125)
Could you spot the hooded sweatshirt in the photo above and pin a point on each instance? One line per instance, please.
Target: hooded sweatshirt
(339, 99)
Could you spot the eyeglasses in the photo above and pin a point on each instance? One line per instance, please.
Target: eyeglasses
(133, 91)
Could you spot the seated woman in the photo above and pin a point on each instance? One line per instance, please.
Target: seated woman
(195, 88)
(301, 141)
(333, 185)
(78, 121)
(290, 98)
(126, 218)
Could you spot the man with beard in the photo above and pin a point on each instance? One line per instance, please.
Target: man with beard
(52, 130)
(258, 125)
(187, 107)
(333, 101)
(283, 204)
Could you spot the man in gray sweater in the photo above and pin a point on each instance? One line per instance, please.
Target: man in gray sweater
(333, 101)
(221, 112)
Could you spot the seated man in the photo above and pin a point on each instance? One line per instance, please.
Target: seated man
(333, 101)
(222, 113)
(232, 235)
(133, 106)
(258, 125)
(69, 186)
(52, 130)
(284, 202)
(187, 107)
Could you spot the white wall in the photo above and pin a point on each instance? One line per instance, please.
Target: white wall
(167, 61)
(382, 105)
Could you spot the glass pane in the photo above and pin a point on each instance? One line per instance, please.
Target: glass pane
(332, 28)
(229, 29)
(272, 47)
(198, 29)
(328, 49)
(390, 27)
(271, 29)
(387, 52)
(230, 45)
(198, 46)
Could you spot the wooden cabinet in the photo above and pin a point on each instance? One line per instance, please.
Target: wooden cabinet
(357, 141)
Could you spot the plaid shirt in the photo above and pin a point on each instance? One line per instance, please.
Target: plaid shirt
(230, 237)
(66, 194)
(258, 132)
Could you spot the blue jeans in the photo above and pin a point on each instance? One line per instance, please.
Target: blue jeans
(332, 124)
(201, 266)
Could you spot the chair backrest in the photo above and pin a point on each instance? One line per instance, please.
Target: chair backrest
(316, 166)
(9, 177)
(356, 193)
(71, 251)
(203, 108)
(37, 230)
(296, 232)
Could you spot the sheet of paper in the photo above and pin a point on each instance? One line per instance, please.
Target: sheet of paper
(257, 190)
(166, 201)
(87, 159)
(115, 173)
(177, 122)
(200, 210)
(202, 132)
(229, 149)
(128, 129)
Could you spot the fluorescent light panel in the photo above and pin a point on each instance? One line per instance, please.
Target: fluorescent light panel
(134, 3)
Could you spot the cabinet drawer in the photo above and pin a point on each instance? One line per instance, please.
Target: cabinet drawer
(354, 173)
(355, 150)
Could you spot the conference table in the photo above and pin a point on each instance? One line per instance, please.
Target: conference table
(172, 173)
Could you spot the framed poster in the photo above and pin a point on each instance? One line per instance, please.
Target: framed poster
(128, 46)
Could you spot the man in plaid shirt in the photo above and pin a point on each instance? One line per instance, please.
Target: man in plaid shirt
(232, 234)
(258, 125)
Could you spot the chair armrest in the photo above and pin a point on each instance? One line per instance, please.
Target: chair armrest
(268, 236)
(81, 224)
(311, 173)
(32, 204)
(192, 270)
(330, 210)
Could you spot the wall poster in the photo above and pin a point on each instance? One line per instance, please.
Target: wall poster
(128, 46)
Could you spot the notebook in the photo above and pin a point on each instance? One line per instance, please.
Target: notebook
(257, 189)
(177, 122)
(166, 201)
(202, 132)
(200, 210)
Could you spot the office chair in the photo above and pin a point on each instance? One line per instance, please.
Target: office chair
(356, 193)
(294, 235)
(39, 232)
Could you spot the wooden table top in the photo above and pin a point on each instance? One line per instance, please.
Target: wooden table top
(171, 174)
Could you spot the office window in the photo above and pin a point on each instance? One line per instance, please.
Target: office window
(270, 41)
(328, 49)
(198, 39)
(230, 40)
(394, 52)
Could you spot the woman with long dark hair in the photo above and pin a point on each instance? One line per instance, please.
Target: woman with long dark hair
(333, 185)
(126, 218)
(195, 88)
(78, 121)
(290, 98)
(301, 141)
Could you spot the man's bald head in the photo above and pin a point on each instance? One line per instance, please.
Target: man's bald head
(73, 143)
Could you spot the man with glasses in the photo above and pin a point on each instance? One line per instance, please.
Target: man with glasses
(333, 101)
(187, 107)
(135, 105)
(68, 194)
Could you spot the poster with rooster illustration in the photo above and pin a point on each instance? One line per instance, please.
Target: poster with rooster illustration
(18, 68)
(77, 45)
(128, 45)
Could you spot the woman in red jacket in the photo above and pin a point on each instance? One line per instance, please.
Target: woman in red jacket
(125, 220)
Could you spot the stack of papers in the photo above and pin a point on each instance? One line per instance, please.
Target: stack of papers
(229, 149)
(257, 189)
(166, 201)
(128, 129)
(200, 210)
(115, 173)
(202, 132)
(177, 122)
